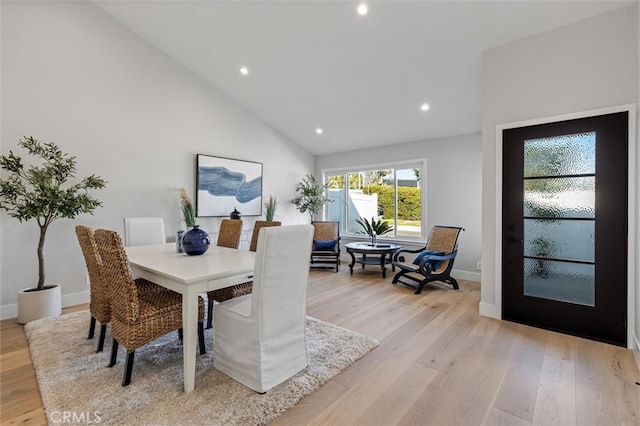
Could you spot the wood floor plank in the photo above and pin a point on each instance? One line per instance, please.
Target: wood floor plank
(519, 390)
(556, 401)
(20, 394)
(439, 353)
(561, 346)
(625, 378)
(311, 407)
(388, 345)
(380, 397)
(396, 399)
(500, 418)
(474, 369)
(15, 358)
(595, 394)
(34, 417)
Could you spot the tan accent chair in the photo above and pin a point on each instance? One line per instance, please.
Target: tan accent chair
(99, 300)
(326, 244)
(240, 289)
(433, 262)
(259, 338)
(137, 318)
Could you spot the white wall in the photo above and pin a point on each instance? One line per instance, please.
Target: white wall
(588, 65)
(453, 179)
(74, 76)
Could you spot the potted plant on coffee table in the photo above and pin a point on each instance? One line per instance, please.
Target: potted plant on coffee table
(374, 228)
(42, 192)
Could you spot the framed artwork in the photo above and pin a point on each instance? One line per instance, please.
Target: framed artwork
(224, 184)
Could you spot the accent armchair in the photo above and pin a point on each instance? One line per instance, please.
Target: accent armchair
(326, 244)
(433, 262)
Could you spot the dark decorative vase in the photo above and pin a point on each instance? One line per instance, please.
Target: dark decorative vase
(195, 241)
(235, 214)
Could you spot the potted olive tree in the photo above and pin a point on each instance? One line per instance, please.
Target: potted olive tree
(311, 197)
(41, 192)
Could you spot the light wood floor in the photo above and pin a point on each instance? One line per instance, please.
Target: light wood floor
(438, 363)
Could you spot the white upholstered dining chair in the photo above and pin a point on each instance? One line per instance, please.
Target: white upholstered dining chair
(140, 231)
(259, 338)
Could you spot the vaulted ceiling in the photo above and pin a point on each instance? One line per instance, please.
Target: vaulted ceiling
(360, 78)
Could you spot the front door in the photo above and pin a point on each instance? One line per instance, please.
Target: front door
(564, 229)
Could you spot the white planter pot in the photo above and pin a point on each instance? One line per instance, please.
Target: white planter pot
(33, 305)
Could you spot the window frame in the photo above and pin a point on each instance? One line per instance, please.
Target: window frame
(395, 165)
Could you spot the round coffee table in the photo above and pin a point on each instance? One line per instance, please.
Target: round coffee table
(380, 254)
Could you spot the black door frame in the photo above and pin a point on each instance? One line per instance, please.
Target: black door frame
(632, 307)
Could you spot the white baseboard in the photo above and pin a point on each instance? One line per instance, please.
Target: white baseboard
(466, 275)
(635, 347)
(490, 310)
(11, 311)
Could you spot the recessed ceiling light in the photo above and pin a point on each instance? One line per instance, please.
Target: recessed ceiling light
(363, 9)
(319, 131)
(424, 107)
(244, 71)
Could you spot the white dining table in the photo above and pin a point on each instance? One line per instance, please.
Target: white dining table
(188, 275)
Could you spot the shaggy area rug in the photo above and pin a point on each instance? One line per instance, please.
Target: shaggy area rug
(75, 382)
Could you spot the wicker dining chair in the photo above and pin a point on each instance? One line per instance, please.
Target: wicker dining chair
(228, 236)
(433, 262)
(229, 233)
(256, 230)
(137, 318)
(99, 301)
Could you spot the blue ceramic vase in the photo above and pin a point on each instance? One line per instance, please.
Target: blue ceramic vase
(196, 241)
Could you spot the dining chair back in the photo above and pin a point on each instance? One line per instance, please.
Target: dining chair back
(140, 231)
(99, 303)
(229, 236)
(137, 318)
(260, 337)
(229, 233)
(256, 230)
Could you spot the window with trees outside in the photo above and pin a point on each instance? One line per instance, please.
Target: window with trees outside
(392, 194)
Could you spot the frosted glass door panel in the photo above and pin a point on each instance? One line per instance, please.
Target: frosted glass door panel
(559, 188)
(560, 197)
(562, 281)
(560, 155)
(560, 239)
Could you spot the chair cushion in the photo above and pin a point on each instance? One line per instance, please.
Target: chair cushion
(434, 263)
(328, 245)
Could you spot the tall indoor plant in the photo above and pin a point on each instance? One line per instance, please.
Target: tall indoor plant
(311, 195)
(42, 192)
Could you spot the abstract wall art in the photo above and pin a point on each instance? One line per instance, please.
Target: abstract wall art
(224, 184)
